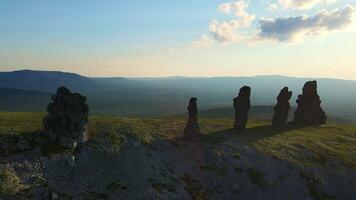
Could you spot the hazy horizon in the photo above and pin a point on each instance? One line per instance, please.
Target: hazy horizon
(178, 76)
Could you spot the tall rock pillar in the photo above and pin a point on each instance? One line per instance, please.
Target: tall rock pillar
(242, 106)
(309, 111)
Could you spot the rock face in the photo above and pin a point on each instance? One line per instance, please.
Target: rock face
(192, 128)
(309, 111)
(242, 106)
(67, 118)
(282, 108)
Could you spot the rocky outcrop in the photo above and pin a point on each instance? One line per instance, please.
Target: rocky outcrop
(242, 106)
(309, 111)
(67, 118)
(282, 108)
(191, 128)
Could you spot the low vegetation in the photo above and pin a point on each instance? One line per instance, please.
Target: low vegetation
(20, 122)
(311, 145)
(305, 146)
(9, 183)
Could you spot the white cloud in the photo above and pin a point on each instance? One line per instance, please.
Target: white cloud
(224, 31)
(228, 30)
(292, 29)
(204, 41)
(303, 4)
(272, 7)
(243, 19)
(239, 29)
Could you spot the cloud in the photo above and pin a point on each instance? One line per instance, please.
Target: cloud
(243, 19)
(292, 29)
(272, 7)
(240, 29)
(227, 31)
(204, 41)
(303, 4)
(224, 31)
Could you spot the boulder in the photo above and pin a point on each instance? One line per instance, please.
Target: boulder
(282, 108)
(67, 118)
(191, 128)
(242, 106)
(309, 111)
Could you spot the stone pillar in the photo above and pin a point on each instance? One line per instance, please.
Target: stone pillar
(282, 108)
(191, 128)
(67, 118)
(242, 106)
(309, 111)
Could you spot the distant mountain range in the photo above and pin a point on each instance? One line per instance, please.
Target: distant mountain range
(29, 90)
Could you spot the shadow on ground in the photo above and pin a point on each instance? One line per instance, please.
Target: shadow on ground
(249, 135)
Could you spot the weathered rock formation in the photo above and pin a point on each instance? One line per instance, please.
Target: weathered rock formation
(67, 118)
(282, 108)
(242, 106)
(192, 128)
(309, 111)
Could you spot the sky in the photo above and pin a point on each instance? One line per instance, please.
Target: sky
(111, 38)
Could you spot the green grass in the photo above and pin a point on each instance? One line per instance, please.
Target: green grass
(20, 122)
(311, 145)
(307, 146)
(142, 129)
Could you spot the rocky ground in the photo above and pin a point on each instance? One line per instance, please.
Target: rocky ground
(168, 168)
